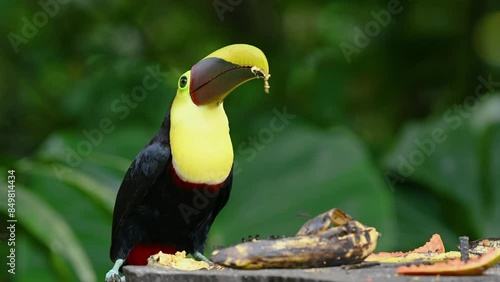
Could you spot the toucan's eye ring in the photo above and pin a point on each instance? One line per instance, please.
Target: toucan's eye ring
(183, 81)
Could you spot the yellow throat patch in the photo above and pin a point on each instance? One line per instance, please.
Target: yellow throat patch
(201, 147)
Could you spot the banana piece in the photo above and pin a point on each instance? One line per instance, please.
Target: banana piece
(316, 245)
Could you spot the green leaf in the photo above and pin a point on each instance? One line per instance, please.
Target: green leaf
(459, 171)
(419, 217)
(47, 226)
(112, 161)
(97, 191)
(492, 151)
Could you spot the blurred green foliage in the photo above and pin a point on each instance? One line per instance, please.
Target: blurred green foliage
(364, 136)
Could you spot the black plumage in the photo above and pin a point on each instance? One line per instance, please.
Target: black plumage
(151, 205)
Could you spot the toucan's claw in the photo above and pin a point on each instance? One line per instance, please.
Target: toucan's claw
(114, 277)
(199, 256)
(113, 274)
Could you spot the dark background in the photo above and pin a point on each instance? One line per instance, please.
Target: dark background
(394, 121)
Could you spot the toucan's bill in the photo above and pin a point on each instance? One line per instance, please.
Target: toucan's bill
(216, 75)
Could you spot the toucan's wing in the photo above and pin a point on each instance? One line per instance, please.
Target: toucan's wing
(224, 193)
(141, 175)
(220, 202)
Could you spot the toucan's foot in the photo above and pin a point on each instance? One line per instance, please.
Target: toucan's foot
(113, 274)
(199, 256)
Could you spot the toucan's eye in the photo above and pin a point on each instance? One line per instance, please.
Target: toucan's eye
(183, 81)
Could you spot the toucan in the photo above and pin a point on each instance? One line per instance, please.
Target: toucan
(180, 181)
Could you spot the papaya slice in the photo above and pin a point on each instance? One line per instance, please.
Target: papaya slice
(457, 267)
(435, 245)
(428, 252)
